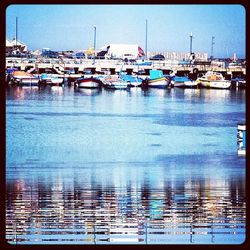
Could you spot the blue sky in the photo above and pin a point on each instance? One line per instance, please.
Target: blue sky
(71, 27)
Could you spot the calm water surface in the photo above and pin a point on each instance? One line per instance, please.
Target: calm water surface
(124, 167)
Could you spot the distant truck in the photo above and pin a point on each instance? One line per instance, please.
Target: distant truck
(123, 51)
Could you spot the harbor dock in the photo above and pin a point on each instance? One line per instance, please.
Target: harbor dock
(76, 67)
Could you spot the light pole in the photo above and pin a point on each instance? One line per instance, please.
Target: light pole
(94, 42)
(212, 47)
(191, 51)
(191, 40)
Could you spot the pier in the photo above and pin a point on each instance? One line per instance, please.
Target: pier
(102, 66)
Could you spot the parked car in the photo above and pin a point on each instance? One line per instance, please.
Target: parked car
(157, 57)
(128, 57)
(80, 55)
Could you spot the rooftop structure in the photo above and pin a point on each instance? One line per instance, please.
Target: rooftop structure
(15, 45)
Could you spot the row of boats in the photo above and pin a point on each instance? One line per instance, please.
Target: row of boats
(156, 79)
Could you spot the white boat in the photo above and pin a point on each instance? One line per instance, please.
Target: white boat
(51, 79)
(213, 80)
(23, 78)
(88, 82)
(114, 82)
(184, 82)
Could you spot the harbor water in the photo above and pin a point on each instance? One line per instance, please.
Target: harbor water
(157, 166)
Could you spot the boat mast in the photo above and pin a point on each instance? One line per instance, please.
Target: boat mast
(146, 46)
(94, 42)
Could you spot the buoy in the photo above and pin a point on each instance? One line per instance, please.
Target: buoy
(241, 139)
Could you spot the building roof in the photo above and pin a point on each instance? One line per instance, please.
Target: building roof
(8, 43)
(14, 42)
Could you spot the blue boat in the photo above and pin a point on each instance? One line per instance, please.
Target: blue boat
(184, 82)
(133, 81)
(156, 80)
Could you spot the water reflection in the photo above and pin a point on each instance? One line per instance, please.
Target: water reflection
(133, 203)
(132, 167)
(89, 92)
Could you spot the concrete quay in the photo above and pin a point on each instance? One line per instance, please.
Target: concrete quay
(99, 66)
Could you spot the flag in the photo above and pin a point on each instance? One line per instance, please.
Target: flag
(140, 52)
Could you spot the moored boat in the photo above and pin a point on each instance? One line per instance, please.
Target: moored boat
(51, 79)
(156, 80)
(133, 81)
(184, 82)
(238, 82)
(88, 82)
(23, 78)
(213, 80)
(115, 82)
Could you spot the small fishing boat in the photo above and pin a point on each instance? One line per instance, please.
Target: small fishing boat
(133, 81)
(115, 82)
(213, 80)
(23, 78)
(51, 79)
(238, 82)
(184, 82)
(156, 80)
(88, 82)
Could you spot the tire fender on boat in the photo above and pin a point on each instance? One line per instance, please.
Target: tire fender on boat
(195, 70)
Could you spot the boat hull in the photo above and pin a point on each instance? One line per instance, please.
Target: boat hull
(157, 83)
(115, 83)
(53, 82)
(131, 80)
(215, 84)
(26, 81)
(90, 83)
(186, 84)
(23, 78)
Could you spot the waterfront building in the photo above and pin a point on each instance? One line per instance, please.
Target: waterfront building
(14, 46)
(185, 56)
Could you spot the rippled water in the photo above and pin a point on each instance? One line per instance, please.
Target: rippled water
(124, 167)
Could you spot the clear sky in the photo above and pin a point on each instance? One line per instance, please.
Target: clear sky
(71, 27)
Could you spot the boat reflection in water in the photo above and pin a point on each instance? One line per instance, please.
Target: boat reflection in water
(135, 203)
(89, 92)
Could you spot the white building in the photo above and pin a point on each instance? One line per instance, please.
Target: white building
(11, 46)
(122, 51)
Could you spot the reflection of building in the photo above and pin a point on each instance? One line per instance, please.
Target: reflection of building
(184, 208)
